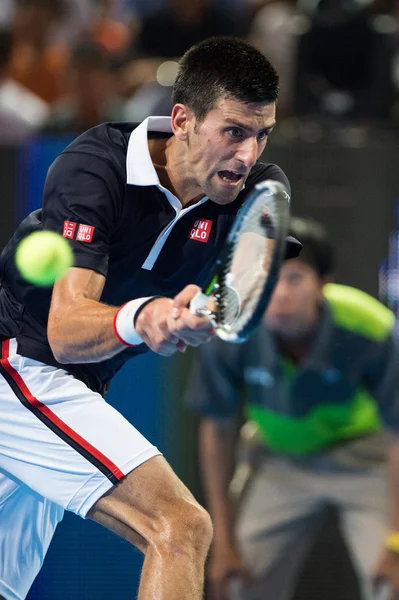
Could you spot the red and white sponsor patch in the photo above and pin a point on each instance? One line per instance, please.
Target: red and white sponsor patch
(200, 230)
(69, 229)
(85, 233)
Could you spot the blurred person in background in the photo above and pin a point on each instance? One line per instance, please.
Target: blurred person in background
(165, 35)
(22, 113)
(344, 62)
(180, 24)
(93, 98)
(109, 32)
(273, 31)
(321, 378)
(6, 9)
(37, 62)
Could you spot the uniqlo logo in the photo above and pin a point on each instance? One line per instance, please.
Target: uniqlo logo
(85, 233)
(200, 230)
(69, 229)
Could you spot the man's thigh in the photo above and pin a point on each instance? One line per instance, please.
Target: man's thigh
(364, 518)
(27, 525)
(148, 499)
(277, 521)
(61, 439)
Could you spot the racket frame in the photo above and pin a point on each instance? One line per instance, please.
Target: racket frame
(198, 304)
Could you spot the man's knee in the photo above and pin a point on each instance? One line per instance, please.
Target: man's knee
(151, 507)
(184, 527)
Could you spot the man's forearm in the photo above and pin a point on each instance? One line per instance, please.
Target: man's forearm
(85, 333)
(217, 453)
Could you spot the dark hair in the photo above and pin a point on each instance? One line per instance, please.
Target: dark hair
(5, 47)
(223, 67)
(317, 250)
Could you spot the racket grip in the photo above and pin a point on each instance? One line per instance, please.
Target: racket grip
(198, 305)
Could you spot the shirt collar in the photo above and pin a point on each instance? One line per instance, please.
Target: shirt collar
(139, 167)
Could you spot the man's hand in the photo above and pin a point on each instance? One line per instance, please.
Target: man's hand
(224, 563)
(167, 326)
(387, 572)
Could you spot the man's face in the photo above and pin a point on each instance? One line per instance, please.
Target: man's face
(222, 149)
(294, 307)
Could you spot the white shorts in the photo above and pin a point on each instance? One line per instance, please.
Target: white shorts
(61, 448)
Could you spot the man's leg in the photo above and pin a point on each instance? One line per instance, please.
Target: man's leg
(364, 518)
(277, 522)
(27, 525)
(154, 511)
(69, 446)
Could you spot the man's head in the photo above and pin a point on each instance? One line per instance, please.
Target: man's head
(223, 68)
(295, 305)
(224, 108)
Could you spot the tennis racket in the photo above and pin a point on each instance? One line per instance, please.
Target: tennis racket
(240, 287)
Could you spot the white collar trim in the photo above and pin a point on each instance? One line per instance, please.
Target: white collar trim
(139, 167)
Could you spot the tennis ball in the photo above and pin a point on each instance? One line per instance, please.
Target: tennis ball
(43, 256)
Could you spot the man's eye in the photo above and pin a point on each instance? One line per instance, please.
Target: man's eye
(295, 279)
(235, 132)
(262, 136)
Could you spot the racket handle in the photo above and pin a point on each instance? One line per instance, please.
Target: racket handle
(198, 305)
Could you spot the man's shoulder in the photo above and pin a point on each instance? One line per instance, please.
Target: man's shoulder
(263, 171)
(107, 140)
(358, 312)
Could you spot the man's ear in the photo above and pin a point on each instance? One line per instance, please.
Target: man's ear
(182, 121)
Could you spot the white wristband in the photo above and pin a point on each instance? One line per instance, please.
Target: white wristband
(124, 322)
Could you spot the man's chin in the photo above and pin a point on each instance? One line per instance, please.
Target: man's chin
(288, 334)
(223, 197)
(282, 326)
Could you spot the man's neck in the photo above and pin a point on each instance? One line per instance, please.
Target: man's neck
(296, 350)
(297, 347)
(170, 166)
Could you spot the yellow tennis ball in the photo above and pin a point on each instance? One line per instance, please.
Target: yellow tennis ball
(43, 256)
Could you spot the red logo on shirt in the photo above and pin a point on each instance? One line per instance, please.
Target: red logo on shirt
(200, 230)
(69, 229)
(85, 233)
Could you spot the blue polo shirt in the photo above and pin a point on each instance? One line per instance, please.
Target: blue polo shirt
(345, 386)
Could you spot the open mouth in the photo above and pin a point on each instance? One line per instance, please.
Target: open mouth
(230, 176)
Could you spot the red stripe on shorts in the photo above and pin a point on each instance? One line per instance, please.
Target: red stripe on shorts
(37, 405)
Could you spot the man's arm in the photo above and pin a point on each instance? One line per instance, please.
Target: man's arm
(214, 392)
(81, 329)
(217, 444)
(387, 568)
(382, 381)
(393, 475)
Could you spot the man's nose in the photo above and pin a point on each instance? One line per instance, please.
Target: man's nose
(248, 152)
(281, 291)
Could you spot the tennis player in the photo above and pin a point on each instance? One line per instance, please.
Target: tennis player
(146, 209)
(321, 383)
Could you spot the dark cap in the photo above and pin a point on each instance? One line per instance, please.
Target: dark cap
(293, 247)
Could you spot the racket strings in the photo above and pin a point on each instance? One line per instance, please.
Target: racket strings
(246, 268)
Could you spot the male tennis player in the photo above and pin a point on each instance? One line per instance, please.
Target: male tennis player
(321, 378)
(146, 210)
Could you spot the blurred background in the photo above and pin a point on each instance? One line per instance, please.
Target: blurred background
(67, 65)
